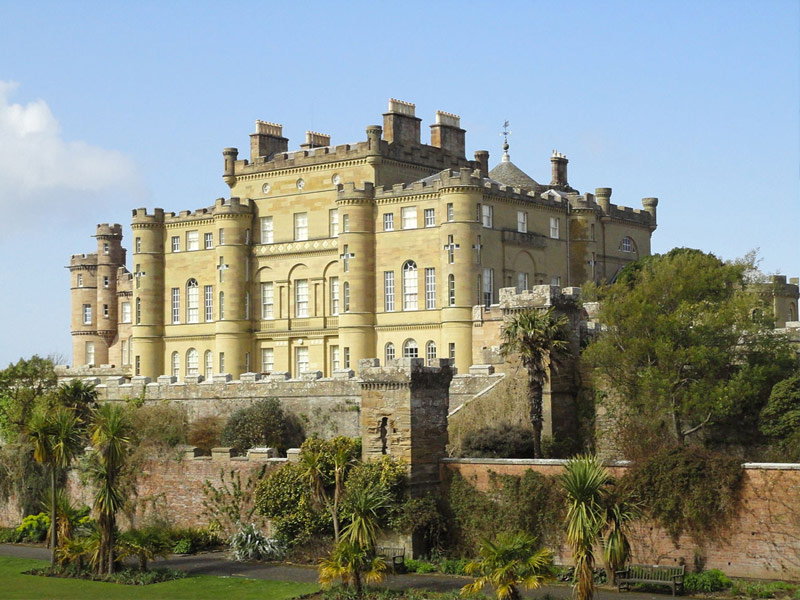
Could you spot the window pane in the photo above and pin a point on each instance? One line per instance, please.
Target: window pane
(333, 218)
(388, 291)
(301, 298)
(410, 286)
(267, 359)
(301, 226)
(430, 288)
(208, 294)
(267, 300)
(409, 216)
(430, 217)
(388, 222)
(192, 240)
(334, 295)
(192, 302)
(266, 230)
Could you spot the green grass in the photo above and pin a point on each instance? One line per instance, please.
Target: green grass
(15, 586)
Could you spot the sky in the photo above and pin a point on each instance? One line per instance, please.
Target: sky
(106, 107)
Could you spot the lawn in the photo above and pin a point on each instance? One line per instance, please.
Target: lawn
(15, 585)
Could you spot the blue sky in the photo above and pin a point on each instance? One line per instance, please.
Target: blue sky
(109, 106)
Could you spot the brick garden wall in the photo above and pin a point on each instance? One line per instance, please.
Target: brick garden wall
(762, 542)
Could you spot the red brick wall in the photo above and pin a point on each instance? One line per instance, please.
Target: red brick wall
(762, 542)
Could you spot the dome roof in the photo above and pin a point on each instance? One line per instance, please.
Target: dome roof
(510, 174)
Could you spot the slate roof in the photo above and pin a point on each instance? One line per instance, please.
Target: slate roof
(510, 174)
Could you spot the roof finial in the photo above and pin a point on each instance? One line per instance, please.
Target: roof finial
(505, 133)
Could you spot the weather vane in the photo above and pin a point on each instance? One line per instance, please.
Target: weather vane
(505, 133)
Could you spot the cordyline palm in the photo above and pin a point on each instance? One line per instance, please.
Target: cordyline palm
(110, 435)
(364, 506)
(56, 439)
(584, 480)
(511, 560)
(352, 564)
(314, 468)
(539, 338)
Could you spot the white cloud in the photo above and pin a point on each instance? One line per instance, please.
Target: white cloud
(38, 166)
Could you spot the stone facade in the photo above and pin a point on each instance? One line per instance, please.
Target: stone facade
(331, 254)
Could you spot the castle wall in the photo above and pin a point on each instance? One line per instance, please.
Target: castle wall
(763, 541)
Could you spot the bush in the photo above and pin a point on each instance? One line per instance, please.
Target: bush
(498, 441)
(193, 538)
(707, 581)
(420, 516)
(205, 433)
(688, 489)
(34, 528)
(764, 589)
(249, 543)
(183, 546)
(419, 566)
(453, 566)
(159, 428)
(262, 424)
(9, 535)
(125, 576)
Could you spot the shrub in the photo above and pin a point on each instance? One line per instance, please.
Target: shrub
(231, 503)
(194, 538)
(262, 424)
(707, 581)
(419, 566)
(183, 546)
(688, 489)
(205, 433)
(420, 516)
(250, 543)
(9, 535)
(764, 589)
(498, 441)
(34, 528)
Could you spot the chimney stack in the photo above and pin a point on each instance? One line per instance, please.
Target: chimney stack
(482, 158)
(316, 140)
(558, 165)
(267, 140)
(603, 196)
(400, 125)
(446, 133)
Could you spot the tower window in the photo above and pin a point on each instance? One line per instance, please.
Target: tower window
(208, 241)
(176, 243)
(138, 244)
(105, 281)
(627, 244)
(555, 223)
(126, 312)
(176, 305)
(208, 296)
(105, 311)
(90, 353)
(388, 221)
(488, 215)
(522, 221)
(105, 247)
(87, 314)
(430, 217)
(138, 311)
(333, 222)
(267, 231)
(346, 296)
(410, 285)
(345, 223)
(80, 280)
(451, 290)
(450, 215)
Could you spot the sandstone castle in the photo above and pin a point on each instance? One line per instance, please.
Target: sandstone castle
(330, 254)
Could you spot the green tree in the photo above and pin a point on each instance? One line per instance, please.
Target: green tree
(110, 434)
(352, 564)
(688, 345)
(780, 418)
(363, 511)
(538, 337)
(264, 423)
(56, 439)
(23, 387)
(511, 560)
(78, 395)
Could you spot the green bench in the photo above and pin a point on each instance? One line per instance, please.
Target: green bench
(394, 556)
(654, 575)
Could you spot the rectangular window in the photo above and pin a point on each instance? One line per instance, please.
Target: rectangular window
(452, 350)
(208, 241)
(87, 314)
(246, 362)
(301, 298)
(176, 305)
(208, 299)
(192, 302)
(126, 312)
(124, 351)
(267, 300)
(105, 281)
(105, 311)
(451, 250)
(138, 311)
(430, 217)
(522, 282)
(488, 286)
(522, 221)
(450, 212)
(554, 226)
(591, 232)
(247, 309)
(221, 306)
(410, 286)
(388, 291)
(487, 215)
(335, 358)
(137, 369)
(301, 226)
(176, 243)
(334, 295)
(221, 236)
(247, 243)
(346, 357)
(555, 281)
(430, 288)
(333, 222)
(451, 290)
(267, 360)
(345, 223)
(89, 353)
(408, 215)
(193, 240)
(388, 221)
(478, 212)
(80, 280)
(138, 245)
(105, 247)
(209, 364)
(267, 231)
(221, 362)
(301, 359)
(346, 296)
(138, 275)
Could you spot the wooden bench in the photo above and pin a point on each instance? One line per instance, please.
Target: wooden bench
(652, 574)
(396, 557)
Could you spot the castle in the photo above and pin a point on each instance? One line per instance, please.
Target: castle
(328, 255)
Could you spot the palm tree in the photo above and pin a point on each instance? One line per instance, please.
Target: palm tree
(80, 396)
(363, 509)
(351, 563)
(584, 480)
(616, 546)
(110, 434)
(539, 338)
(507, 562)
(56, 442)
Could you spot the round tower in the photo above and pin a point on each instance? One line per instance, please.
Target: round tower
(357, 268)
(457, 238)
(232, 220)
(110, 256)
(87, 345)
(148, 293)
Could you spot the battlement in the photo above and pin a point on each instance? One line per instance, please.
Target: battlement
(81, 260)
(348, 190)
(141, 216)
(104, 230)
(232, 205)
(189, 215)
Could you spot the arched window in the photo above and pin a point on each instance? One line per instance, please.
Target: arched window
(138, 311)
(192, 301)
(791, 312)
(451, 290)
(221, 306)
(410, 349)
(176, 364)
(346, 296)
(430, 352)
(410, 285)
(208, 358)
(192, 360)
(389, 352)
(627, 244)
